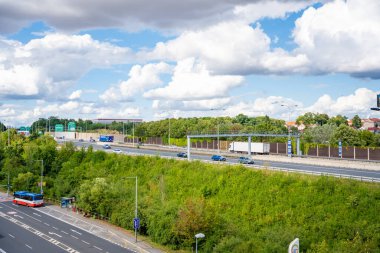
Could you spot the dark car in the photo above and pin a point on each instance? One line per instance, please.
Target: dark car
(182, 154)
(246, 160)
(218, 158)
(81, 140)
(106, 146)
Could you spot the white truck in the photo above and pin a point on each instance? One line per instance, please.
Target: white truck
(256, 147)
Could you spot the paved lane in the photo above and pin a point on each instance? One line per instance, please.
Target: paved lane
(294, 166)
(58, 233)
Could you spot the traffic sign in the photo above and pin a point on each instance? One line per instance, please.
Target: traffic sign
(71, 126)
(289, 147)
(136, 223)
(59, 128)
(340, 149)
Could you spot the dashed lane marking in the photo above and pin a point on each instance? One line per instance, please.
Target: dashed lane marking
(28, 246)
(38, 233)
(12, 236)
(97, 248)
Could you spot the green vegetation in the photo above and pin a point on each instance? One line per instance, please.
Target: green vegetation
(239, 210)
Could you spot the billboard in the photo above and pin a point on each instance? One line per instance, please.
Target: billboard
(378, 100)
(106, 138)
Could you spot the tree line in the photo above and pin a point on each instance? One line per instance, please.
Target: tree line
(319, 128)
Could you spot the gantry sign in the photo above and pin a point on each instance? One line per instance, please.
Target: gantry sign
(250, 135)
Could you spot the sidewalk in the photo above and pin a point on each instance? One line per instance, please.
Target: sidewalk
(99, 228)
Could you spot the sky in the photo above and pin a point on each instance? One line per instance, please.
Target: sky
(157, 59)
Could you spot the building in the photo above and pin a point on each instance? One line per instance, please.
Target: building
(109, 121)
(371, 124)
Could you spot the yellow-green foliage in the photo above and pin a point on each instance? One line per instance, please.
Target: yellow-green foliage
(238, 209)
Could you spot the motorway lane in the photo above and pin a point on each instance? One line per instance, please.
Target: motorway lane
(294, 166)
(73, 237)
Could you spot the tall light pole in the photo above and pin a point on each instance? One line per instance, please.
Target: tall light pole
(198, 236)
(42, 170)
(136, 220)
(8, 181)
(218, 130)
(290, 108)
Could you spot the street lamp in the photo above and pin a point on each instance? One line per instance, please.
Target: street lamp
(215, 109)
(136, 220)
(42, 170)
(198, 236)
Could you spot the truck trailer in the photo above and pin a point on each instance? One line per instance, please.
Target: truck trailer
(256, 147)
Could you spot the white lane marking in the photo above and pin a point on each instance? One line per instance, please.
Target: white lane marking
(85, 242)
(25, 214)
(51, 233)
(64, 232)
(46, 224)
(11, 212)
(54, 228)
(28, 246)
(2, 251)
(97, 248)
(76, 231)
(18, 216)
(12, 236)
(74, 236)
(37, 214)
(40, 234)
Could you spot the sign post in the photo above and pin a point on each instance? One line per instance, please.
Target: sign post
(294, 246)
(290, 148)
(340, 149)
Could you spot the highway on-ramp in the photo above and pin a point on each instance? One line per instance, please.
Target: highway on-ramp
(317, 169)
(25, 229)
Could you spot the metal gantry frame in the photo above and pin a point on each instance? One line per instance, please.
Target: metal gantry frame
(249, 135)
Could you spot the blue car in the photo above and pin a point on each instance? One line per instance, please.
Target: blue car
(218, 158)
(182, 154)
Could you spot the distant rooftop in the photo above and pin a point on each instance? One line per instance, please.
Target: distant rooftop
(104, 120)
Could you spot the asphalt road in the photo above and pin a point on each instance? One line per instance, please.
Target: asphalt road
(25, 229)
(294, 166)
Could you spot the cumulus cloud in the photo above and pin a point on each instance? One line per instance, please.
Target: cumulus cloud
(46, 67)
(140, 79)
(341, 36)
(230, 48)
(192, 81)
(75, 95)
(168, 15)
(359, 102)
(197, 105)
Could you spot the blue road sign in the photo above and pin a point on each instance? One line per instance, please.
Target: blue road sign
(340, 149)
(289, 147)
(136, 223)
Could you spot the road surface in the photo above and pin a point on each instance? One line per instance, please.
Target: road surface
(25, 229)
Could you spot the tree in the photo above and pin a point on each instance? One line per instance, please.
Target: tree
(338, 120)
(356, 122)
(320, 134)
(347, 135)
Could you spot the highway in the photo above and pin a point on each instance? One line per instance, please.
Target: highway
(284, 165)
(25, 229)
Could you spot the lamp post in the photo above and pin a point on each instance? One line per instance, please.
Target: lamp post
(136, 220)
(218, 130)
(8, 181)
(198, 236)
(42, 170)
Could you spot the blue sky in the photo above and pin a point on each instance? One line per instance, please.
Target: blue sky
(123, 60)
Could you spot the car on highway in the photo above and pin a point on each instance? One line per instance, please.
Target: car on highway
(81, 140)
(92, 140)
(218, 158)
(106, 146)
(246, 160)
(118, 151)
(182, 154)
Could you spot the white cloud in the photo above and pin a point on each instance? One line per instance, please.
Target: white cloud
(75, 95)
(164, 15)
(196, 105)
(341, 36)
(192, 81)
(140, 79)
(47, 67)
(358, 103)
